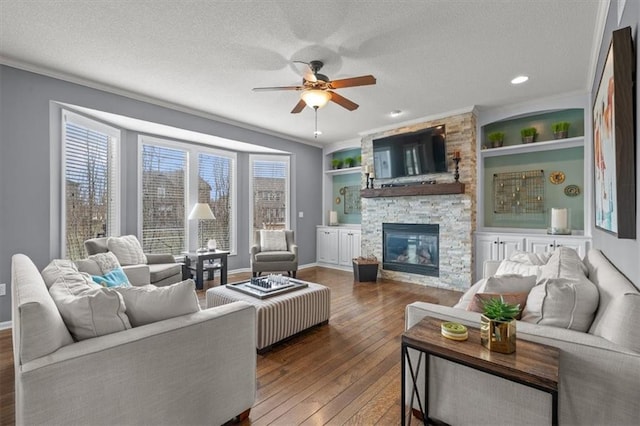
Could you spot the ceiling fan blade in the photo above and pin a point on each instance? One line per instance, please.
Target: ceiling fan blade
(268, 89)
(363, 80)
(299, 107)
(342, 101)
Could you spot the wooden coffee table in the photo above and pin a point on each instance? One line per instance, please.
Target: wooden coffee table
(532, 364)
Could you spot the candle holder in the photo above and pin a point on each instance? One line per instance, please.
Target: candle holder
(559, 224)
(366, 179)
(371, 179)
(456, 176)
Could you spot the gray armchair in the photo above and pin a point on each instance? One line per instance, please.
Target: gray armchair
(274, 261)
(160, 269)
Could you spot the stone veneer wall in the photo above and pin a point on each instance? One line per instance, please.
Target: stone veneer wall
(455, 213)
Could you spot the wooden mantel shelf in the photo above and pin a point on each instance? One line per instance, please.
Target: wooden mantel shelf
(405, 191)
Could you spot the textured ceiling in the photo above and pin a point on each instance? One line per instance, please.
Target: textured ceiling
(429, 57)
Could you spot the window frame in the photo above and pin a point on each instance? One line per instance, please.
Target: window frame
(288, 205)
(116, 156)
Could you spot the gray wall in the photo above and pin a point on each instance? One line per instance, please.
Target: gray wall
(30, 176)
(625, 254)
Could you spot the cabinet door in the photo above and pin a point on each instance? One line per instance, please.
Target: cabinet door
(349, 246)
(507, 245)
(540, 244)
(486, 249)
(355, 244)
(327, 245)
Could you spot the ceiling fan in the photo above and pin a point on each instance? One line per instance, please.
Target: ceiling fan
(317, 89)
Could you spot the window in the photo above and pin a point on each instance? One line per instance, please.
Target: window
(174, 177)
(270, 192)
(164, 183)
(215, 181)
(91, 182)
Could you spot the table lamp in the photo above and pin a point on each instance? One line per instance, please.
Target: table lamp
(201, 211)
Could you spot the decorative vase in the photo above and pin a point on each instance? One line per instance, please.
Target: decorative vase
(561, 134)
(498, 336)
(496, 144)
(527, 139)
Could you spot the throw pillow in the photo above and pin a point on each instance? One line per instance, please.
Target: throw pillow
(106, 261)
(87, 309)
(113, 278)
(272, 241)
(127, 249)
(56, 268)
(510, 283)
(478, 301)
(148, 304)
(508, 267)
(468, 295)
(530, 258)
(563, 263)
(562, 302)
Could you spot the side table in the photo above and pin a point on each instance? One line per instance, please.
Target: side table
(196, 261)
(532, 364)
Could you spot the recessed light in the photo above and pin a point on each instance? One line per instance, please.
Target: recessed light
(519, 79)
(395, 113)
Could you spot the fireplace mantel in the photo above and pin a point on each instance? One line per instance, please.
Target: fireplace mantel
(403, 191)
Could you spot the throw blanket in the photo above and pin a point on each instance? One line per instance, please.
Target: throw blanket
(112, 273)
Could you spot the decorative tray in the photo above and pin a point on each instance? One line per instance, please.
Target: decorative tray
(263, 288)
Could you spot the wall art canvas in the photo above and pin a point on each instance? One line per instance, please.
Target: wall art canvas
(613, 140)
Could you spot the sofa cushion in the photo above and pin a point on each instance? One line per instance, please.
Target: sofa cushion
(271, 240)
(88, 309)
(620, 321)
(530, 258)
(89, 266)
(127, 249)
(510, 267)
(38, 324)
(563, 263)
(275, 256)
(56, 268)
(467, 297)
(479, 299)
(148, 304)
(106, 261)
(511, 283)
(161, 271)
(562, 302)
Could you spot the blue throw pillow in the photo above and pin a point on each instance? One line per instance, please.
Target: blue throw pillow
(114, 278)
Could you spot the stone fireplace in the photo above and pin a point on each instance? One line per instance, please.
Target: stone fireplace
(411, 247)
(454, 214)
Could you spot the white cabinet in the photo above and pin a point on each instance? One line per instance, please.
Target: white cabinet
(327, 245)
(349, 246)
(549, 243)
(495, 247)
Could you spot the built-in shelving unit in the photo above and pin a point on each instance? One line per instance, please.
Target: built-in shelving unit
(344, 171)
(533, 147)
(403, 191)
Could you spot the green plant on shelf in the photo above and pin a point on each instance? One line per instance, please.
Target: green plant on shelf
(528, 131)
(358, 160)
(496, 136)
(349, 161)
(336, 163)
(561, 126)
(499, 310)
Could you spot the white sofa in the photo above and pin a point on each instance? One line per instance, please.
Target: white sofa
(599, 381)
(191, 369)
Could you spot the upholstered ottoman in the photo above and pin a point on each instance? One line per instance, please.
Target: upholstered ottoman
(282, 316)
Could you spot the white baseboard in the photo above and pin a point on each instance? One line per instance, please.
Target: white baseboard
(5, 325)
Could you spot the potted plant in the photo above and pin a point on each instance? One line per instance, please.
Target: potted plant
(528, 134)
(349, 161)
(496, 139)
(560, 129)
(336, 163)
(358, 160)
(498, 325)
(365, 268)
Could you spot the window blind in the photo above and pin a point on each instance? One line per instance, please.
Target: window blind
(164, 172)
(91, 183)
(215, 180)
(270, 192)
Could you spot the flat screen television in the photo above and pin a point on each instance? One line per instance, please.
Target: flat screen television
(410, 154)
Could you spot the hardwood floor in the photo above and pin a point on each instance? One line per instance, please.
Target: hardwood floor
(346, 372)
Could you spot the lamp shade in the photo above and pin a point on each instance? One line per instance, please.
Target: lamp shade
(315, 98)
(201, 211)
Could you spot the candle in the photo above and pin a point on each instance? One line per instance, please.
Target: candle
(333, 217)
(456, 154)
(372, 175)
(559, 219)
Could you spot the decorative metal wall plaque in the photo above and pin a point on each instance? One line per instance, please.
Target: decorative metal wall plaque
(518, 192)
(352, 203)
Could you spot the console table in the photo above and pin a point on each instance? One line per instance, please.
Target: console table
(532, 364)
(195, 261)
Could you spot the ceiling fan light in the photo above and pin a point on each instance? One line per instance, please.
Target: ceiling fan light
(315, 98)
